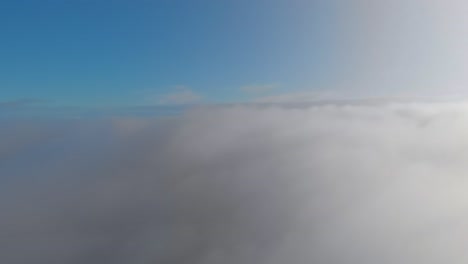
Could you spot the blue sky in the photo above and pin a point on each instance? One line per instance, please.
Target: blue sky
(132, 53)
(142, 52)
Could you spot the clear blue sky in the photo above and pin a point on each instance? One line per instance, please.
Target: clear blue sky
(134, 52)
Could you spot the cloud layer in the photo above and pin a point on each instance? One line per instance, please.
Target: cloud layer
(180, 96)
(383, 183)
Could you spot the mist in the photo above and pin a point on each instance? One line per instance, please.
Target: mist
(328, 183)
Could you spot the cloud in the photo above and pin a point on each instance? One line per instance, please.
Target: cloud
(258, 89)
(349, 183)
(298, 97)
(182, 95)
(14, 104)
(361, 95)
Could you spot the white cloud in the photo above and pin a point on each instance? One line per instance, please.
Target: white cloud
(180, 96)
(364, 95)
(297, 97)
(383, 183)
(259, 89)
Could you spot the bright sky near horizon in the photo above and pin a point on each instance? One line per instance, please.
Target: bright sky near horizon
(164, 52)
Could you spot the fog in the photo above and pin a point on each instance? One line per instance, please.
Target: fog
(327, 183)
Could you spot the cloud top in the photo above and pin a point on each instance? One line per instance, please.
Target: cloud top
(381, 183)
(181, 95)
(258, 89)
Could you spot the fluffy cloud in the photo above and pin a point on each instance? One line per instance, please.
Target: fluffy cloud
(182, 95)
(258, 89)
(382, 183)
